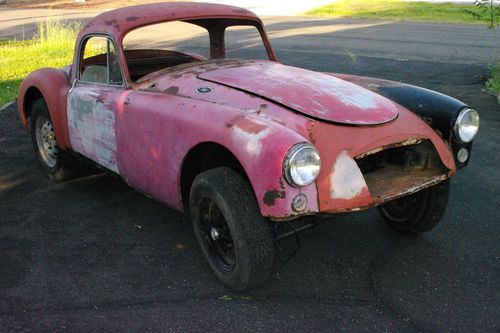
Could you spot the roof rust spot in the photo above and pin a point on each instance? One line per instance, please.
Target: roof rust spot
(241, 11)
(132, 18)
(112, 22)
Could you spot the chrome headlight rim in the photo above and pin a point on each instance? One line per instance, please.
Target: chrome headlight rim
(461, 136)
(292, 153)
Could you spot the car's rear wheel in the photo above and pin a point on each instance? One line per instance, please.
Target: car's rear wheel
(234, 237)
(56, 163)
(418, 212)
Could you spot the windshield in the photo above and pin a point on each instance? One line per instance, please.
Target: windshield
(163, 45)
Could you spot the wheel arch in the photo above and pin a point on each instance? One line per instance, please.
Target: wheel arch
(202, 157)
(52, 85)
(32, 94)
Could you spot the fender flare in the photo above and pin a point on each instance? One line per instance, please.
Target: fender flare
(53, 86)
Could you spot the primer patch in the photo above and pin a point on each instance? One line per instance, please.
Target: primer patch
(251, 141)
(346, 181)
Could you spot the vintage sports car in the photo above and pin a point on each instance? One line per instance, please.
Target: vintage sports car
(243, 146)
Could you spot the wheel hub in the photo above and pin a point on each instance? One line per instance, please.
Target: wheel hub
(47, 144)
(214, 233)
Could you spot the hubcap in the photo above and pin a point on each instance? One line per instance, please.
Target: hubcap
(46, 141)
(217, 236)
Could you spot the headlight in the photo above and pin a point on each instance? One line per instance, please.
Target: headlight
(302, 165)
(467, 125)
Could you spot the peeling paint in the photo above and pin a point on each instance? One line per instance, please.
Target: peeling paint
(251, 141)
(91, 127)
(346, 181)
(314, 94)
(410, 141)
(173, 90)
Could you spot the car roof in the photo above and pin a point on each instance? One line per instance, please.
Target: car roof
(119, 22)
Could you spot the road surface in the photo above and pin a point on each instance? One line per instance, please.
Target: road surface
(93, 255)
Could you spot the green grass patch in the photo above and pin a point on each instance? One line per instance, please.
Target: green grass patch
(53, 46)
(493, 83)
(400, 10)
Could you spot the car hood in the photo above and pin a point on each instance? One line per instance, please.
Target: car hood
(314, 94)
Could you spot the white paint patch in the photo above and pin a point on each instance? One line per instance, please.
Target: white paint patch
(251, 141)
(356, 97)
(346, 181)
(91, 127)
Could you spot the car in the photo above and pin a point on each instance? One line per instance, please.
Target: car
(251, 149)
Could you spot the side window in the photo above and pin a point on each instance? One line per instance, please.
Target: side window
(99, 62)
(244, 42)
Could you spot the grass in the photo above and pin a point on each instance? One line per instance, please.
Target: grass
(53, 46)
(400, 10)
(493, 83)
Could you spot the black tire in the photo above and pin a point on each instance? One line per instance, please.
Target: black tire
(418, 212)
(241, 249)
(56, 163)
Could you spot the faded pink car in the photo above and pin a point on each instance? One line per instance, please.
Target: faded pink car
(243, 146)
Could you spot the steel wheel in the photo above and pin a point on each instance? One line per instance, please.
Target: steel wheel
(46, 141)
(217, 235)
(57, 164)
(233, 236)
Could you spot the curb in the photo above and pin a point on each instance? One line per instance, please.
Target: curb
(7, 105)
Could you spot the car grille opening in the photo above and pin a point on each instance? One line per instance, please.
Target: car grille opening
(401, 169)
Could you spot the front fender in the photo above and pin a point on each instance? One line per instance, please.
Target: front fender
(155, 132)
(439, 111)
(53, 85)
(261, 144)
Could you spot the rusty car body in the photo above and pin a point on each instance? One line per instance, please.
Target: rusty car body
(243, 145)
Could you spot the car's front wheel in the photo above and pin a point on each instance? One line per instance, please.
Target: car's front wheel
(57, 164)
(234, 237)
(418, 212)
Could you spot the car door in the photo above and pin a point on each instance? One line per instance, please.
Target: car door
(94, 100)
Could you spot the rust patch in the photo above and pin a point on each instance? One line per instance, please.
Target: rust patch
(132, 18)
(310, 133)
(408, 142)
(262, 107)
(173, 90)
(246, 125)
(241, 11)
(270, 197)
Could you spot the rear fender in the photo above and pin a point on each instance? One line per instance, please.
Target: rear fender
(53, 85)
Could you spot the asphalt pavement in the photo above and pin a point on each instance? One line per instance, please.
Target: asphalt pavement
(93, 255)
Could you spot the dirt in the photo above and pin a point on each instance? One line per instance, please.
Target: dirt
(72, 4)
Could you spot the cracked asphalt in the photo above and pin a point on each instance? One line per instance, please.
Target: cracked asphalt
(93, 255)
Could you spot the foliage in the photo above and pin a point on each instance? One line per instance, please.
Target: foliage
(488, 10)
(53, 46)
(400, 10)
(493, 84)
